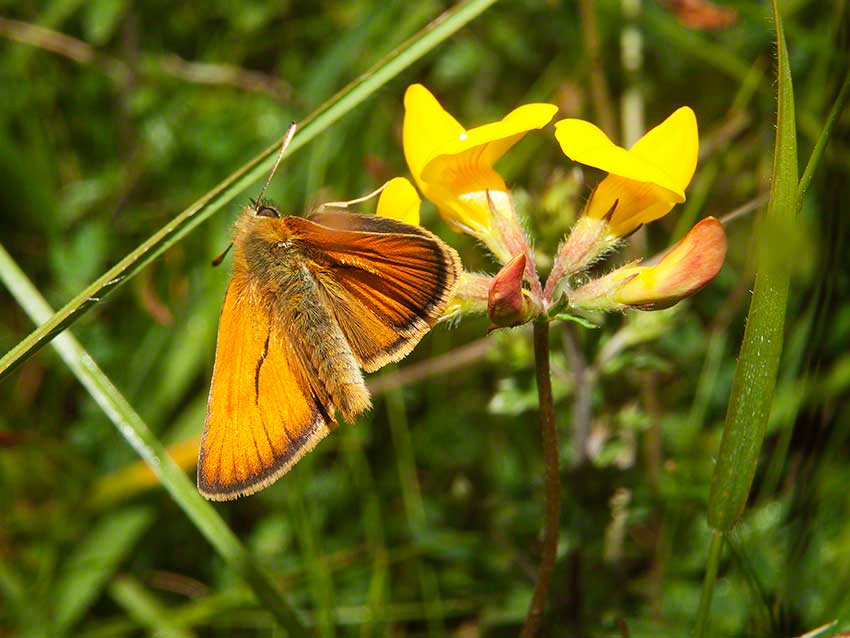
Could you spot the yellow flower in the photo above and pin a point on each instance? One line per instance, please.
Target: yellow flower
(400, 201)
(687, 268)
(453, 166)
(644, 182)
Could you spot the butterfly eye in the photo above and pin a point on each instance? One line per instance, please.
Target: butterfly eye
(267, 211)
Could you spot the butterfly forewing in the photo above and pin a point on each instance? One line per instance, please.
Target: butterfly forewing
(262, 416)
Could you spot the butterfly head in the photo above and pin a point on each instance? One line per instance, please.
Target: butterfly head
(263, 208)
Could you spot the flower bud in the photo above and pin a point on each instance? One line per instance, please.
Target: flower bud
(589, 240)
(508, 304)
(686, 269)
(470, 296)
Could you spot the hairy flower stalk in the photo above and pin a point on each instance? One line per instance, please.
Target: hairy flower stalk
(551, 479)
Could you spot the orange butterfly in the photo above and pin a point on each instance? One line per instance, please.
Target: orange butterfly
(312, 301)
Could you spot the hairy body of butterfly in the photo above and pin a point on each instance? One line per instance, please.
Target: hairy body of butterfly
(311, 303)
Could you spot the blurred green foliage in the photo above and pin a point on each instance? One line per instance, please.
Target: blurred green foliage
(424, 519)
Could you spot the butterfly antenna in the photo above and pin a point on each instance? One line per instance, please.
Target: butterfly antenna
(290, 133)
(377, 191)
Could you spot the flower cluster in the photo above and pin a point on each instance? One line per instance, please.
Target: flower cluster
(453, 167)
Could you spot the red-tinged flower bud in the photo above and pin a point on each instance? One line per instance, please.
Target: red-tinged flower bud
(687, 268)
(508, 304)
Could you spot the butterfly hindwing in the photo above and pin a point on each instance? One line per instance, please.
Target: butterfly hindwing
(387, 282)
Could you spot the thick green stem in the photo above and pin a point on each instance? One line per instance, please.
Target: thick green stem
(751, 398)
(753, 386)
(714, 550)
(552, 481)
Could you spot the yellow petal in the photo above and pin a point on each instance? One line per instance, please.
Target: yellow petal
(666, 156)
(446, 160)
(465, 163)
(490, 141)
(464, 168)
(427, 128)
(450, 176)
(673, 146)
(689, 266)
(399, 200)
(453, 167)
(634, 203)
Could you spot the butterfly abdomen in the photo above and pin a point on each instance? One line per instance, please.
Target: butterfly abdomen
(338, 374)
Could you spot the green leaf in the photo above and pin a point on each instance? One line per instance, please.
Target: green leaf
(102, 18)
(143, 606)
(755, 376)
(584, 323)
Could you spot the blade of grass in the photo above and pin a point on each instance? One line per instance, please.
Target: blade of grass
(755, 375)
(823, 138)
(716, 547)
(319, 121)
(794, 379)
(140, 437)
(319, 577)
(363, 480)
(28, 612)
(414, 506)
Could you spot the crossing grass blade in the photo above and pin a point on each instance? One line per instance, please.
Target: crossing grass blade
(94, 561)
(353, 95)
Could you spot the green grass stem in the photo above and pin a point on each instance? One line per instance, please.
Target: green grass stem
(710, 580)
(144, 608)
(823, 139)
(414, 506)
